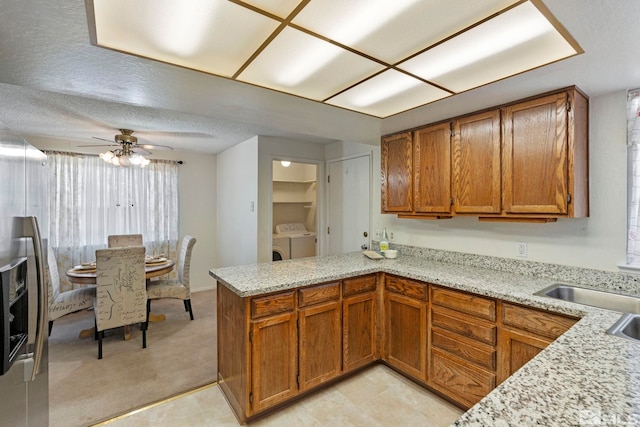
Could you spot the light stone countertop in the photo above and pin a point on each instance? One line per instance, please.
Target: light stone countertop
(585, 377)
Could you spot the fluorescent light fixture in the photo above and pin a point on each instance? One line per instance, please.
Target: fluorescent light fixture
(388, 93)
(297, 63)
(393, 30)
(418, 51)
(147, 28)
(515, 41)
(285, 163)
(281, 8)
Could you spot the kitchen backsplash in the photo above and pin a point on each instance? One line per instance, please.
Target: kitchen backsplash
(606, 280)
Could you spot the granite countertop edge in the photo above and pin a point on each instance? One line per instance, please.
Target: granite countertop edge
(584, 377)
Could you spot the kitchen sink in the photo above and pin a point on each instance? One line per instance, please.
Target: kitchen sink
(601, 299)
(628, 327)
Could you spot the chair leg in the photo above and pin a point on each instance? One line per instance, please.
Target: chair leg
(143, 325)
(50, 326)
(187, 306)
(100, 336)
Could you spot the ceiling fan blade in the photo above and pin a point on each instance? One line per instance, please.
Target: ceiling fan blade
(100, 145)
(102, 139)
(139, 150)
(154, 147)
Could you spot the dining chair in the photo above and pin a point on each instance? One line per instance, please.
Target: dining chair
(121, 296)
(61, 303)
(176, 288)
(124, 240)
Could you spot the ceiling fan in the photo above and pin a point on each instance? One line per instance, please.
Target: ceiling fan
(129, 152)
(129, 143)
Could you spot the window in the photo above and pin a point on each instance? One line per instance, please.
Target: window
(633, 142)
(90, 199)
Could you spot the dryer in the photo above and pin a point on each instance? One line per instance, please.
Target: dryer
(281, 247)
(302, 242)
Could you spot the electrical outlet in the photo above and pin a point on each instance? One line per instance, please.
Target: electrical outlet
(391, 235)
(522, 250)
(378, 233)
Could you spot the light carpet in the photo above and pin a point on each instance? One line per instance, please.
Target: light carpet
(181, 355)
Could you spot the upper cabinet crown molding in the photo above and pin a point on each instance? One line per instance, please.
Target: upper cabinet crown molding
(523, 161)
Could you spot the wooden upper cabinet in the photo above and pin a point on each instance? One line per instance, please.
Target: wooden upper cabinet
(476, 159)
(523, 161)
(432, 169)
(397, 173)
(536, 171)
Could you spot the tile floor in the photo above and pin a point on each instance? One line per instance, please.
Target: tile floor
(377, 396)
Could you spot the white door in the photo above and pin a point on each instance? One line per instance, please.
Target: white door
(349, 204)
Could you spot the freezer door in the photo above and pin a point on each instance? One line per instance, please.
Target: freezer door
(13, 389)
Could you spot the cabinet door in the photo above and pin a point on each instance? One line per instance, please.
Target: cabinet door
(273, 367)
(460, 380)
(320, 339)
(432, 169)
(534, 160)
(397, 173)
(476, 154)
(515, 349)
(406, 334)
(359, 330)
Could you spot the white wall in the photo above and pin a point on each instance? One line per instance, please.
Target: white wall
(237, 190)
(596, 242)
(196, 203)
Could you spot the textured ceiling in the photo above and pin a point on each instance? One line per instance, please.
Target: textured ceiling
(54, 83)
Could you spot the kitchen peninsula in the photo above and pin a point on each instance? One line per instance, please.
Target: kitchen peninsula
(271, 349)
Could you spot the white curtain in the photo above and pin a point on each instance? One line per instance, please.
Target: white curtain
(633, 140)
(91, 199)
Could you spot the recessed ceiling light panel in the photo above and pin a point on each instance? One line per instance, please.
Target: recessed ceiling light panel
(388, 93)
(199, 34)
(516, 41)
(393, 30)
(297, 63)
(281, 8)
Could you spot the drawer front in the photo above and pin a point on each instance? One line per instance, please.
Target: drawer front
(407, 287)
(272, 304)
(359, 285)
(464, 325)
(467, 384)
(465, 303)
(318, 294)
(536, 321)
(482, 356)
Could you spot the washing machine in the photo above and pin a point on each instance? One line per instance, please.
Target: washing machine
(302, 242)
(281, 247)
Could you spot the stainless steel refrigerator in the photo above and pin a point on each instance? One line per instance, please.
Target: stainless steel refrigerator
(24, 374)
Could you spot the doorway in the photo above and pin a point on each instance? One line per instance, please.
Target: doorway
(294, 210)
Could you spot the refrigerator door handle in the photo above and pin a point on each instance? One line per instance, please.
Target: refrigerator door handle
(32, 230)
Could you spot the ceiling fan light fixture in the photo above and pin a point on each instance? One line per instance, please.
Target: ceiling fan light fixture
(107, 156)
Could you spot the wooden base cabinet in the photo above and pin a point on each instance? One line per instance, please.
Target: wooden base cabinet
(273, 367)
(462, 351)
(276, 347)
(524, 333)
(359, 324)
(406, 326)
